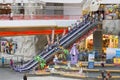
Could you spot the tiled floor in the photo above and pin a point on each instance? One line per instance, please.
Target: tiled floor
(8, 74)
(50, 78)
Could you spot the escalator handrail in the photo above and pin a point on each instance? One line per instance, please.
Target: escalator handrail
(71, 31)
(31, 61)
(28, 62)
(72, 39)
(64, 41)
(74, 34)
(32, 65)
(51, 51)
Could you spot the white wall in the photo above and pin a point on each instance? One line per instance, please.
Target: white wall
(38, 23)
(23, 23)
(25, 47)
(72, 9)
(111, 26)
(110, 2)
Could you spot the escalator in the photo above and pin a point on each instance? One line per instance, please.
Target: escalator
(65, 42)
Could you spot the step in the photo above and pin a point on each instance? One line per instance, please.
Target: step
(86, 64)
(71, 75)
(85, 69)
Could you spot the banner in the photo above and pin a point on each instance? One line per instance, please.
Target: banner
(91, 58)
(112, 52)
(90, 65)
(118, 53)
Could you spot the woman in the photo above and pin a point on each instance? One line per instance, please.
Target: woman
(11, 62)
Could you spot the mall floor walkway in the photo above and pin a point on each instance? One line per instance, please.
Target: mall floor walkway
(8, 74)
(50, 78)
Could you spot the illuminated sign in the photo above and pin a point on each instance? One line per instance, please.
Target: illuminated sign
(116, 61)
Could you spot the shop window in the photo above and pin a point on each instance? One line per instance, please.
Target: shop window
(5, 8)
(54, 8)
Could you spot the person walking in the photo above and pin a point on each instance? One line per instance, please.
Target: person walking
(108, 75)
(11, 63)
(55, 60)
(3, 61)
(103, 75)
(93, 17)
(102, 64)
(96, 16)
(22, 61)
(25, 77)
(11, 16)
(101, 17)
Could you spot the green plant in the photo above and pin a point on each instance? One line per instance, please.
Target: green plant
(41, 62)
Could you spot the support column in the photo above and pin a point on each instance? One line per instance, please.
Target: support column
(52, 36)
(97, 40)
(64, 32)
(48, 39)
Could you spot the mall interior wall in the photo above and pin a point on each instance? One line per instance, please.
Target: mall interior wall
(72, 9)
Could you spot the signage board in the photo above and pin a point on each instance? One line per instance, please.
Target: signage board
(90, 65)
(91, 57)
(116, 61)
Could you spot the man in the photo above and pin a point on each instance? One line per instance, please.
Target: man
(103, 75)
(25, 77)
(22, 61)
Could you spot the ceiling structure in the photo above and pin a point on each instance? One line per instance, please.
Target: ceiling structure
(59, 1)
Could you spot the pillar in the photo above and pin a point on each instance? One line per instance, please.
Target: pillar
(52, 36)
(97, 39)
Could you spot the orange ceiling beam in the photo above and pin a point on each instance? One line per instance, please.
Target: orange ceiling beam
(31, 32)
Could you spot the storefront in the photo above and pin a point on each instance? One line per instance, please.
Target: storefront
(5, 9)
(111, 11)
(109, 41)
